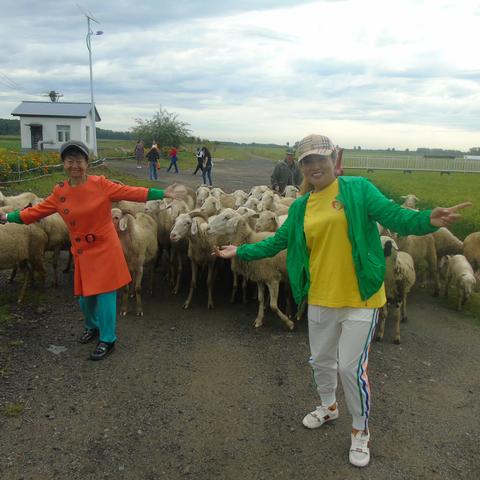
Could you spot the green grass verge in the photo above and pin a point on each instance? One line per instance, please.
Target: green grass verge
(433, 190)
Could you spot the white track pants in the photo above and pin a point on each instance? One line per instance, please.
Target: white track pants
(340, 341)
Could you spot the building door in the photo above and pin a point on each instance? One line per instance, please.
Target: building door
(37, 135)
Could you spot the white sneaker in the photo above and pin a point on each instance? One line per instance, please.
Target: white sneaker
(319, 416)
(359, 451)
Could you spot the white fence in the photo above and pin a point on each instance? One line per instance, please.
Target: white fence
(412, 163)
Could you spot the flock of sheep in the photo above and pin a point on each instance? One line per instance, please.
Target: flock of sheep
(167, 234)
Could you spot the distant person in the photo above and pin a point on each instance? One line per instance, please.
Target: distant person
(335, 263)
(199, 156)
(139, 153)
(153, 157)
(173, 159)
(286, 172)
(207, 166)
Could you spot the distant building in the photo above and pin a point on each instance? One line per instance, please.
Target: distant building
(46, 125)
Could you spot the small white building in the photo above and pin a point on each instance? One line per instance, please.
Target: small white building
(46, 125)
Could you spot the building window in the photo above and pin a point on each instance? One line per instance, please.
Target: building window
(63, 133)
(87, 134)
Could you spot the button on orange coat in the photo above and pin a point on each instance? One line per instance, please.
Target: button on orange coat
(100, 265)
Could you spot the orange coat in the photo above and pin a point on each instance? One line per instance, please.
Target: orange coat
(100, 265)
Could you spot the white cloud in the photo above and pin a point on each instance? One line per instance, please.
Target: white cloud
(370, 73)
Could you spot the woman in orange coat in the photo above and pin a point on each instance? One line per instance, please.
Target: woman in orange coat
(84, 202)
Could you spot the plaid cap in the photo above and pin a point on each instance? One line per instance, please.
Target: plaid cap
(314, 145)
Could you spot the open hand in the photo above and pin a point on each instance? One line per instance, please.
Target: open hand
(444, 217)
(176, 192)
(227, 251)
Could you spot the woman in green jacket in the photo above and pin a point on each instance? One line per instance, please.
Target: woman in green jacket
(336, 262)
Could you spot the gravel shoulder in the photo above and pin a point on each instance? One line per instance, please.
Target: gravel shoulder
(200, 394)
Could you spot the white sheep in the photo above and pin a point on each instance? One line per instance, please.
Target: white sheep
(270, 202)
(138, 236)
(460, 272)
(211, 206)
(17, 202)
(268, 221)
(253, 203)
(267, 271)
(291, 191)
(23, 247)
(192, 227)
(202, 194)
(58, 239)
(410, 201)
(446, 243)
(399, 279)
(240, 198)
(423, 251)
(258, 191)
(471, 249)
(164, 215)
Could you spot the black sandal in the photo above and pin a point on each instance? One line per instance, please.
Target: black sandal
(102, 350)
(88, 335)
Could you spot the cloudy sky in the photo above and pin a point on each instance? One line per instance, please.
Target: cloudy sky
(374, 73)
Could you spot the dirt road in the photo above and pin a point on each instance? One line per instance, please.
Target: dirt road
(200, 394)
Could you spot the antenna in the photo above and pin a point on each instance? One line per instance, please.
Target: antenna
(87, 13)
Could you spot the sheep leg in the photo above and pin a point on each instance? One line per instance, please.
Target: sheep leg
(124, 307)
(69, 262)
(261, 308)
(56, 254)
(434, 274)
(381, 324)
(234, 287)
(179, 273)
(447, 285)
(27, 274)
(210, 279)
(193, 285)
(13, 275)
(288, 300)
(396, 340)
(137, 282)
(244, 290)
(273, 288)
(404, 308)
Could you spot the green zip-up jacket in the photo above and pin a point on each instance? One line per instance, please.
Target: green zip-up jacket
(364, 205)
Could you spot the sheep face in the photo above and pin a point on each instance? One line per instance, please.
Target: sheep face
(291, 191)
(211, 206)
(202, 194)
(410, 200)
(443, 265)
(267, 222)
(182, 227)
(252, 203)
(116, 217)
(240, 197)
(224, 223)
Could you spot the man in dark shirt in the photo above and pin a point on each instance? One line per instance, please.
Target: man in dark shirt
(286, 172)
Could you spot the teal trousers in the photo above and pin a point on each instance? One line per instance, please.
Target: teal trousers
(100, 312)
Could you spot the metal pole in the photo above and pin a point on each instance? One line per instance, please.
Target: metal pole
(89, 46)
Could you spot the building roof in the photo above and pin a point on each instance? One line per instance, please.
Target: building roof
(55, 109)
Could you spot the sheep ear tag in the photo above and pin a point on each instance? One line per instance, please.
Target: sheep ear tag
(122, 224)
(194, 227)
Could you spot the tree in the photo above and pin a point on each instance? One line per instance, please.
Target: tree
(164, 127)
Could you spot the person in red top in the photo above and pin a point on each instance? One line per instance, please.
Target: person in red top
(173, 159)
(85, 202)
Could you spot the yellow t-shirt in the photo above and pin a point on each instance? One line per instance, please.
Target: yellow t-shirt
(333, 282)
